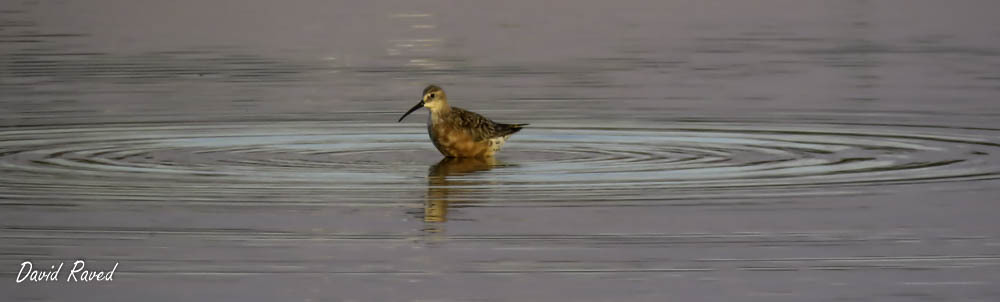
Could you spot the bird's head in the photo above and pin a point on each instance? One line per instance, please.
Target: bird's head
(434, 99)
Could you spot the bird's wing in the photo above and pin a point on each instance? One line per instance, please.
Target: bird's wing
(480, 127)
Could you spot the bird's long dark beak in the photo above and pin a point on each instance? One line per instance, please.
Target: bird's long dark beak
(415, 107)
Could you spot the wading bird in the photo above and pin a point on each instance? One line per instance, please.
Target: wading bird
(457, 132)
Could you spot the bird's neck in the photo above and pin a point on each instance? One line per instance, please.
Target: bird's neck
(441, 109)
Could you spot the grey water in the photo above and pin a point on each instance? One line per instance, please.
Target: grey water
(678, 150)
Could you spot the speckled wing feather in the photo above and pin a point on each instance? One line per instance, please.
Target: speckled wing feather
(481, 127)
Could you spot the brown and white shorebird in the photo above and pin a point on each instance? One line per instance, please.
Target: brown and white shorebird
(457, 132)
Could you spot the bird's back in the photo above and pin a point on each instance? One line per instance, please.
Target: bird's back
(480, 127)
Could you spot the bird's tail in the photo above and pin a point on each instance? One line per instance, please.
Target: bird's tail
(513, 128)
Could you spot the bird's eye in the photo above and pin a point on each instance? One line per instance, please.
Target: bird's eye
(432, 95)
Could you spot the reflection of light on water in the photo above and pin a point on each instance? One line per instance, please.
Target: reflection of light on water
(373, 165)
(436, 209)
(410, 15)
(415, 45)
(441, 183)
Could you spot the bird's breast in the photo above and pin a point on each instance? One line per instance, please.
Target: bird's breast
(454, 141)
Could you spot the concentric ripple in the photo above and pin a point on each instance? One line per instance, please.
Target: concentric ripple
(315, 163)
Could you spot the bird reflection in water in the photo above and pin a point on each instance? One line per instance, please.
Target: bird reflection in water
(439, 186)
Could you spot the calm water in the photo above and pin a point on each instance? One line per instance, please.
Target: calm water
(696, 150)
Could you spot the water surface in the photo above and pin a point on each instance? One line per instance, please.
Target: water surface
(784, 150)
